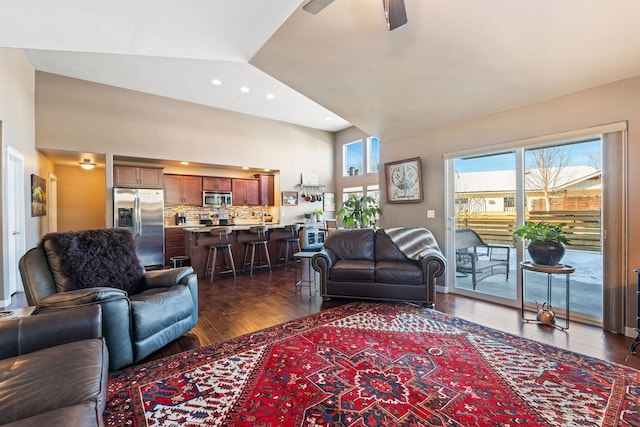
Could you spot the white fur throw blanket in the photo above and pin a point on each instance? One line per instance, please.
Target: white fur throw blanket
(412, 241)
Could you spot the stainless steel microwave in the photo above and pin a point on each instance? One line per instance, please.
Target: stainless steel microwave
(216, 198)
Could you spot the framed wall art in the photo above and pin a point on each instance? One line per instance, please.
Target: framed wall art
(329, 202)
(404, 181)
(38, 196)
(289, 198)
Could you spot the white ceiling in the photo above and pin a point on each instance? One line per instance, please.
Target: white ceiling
(454, 60)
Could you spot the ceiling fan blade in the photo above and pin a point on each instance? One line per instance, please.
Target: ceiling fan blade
(395, 13)
(315, 6)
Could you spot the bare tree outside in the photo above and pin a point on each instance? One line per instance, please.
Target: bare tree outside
(546, 170)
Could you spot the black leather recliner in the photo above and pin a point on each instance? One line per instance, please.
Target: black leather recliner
(162, 306)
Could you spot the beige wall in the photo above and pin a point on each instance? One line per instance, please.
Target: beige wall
(81, 198)
(76, 115)
(17, 87)
(617, 102)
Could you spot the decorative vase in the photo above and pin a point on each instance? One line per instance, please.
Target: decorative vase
(546, 253)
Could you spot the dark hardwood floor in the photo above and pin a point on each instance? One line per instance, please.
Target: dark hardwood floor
(231, 308)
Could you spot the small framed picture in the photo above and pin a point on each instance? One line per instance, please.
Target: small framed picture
(404, 181)
(289, 198)
(38, 196)
(329, 200)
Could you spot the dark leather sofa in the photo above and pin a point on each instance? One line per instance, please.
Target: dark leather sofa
(367, 264)
(53, 369)
(161, 307)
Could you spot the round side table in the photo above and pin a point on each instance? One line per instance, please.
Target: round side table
(549, 270)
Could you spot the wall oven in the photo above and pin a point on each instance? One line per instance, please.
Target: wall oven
(216, 198)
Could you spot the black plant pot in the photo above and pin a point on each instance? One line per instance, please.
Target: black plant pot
(546, 253)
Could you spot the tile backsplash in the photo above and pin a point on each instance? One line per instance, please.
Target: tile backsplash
(193, 213)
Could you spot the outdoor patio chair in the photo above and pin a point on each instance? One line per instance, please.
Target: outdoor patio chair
(479, 259)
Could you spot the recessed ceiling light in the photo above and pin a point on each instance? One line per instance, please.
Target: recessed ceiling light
(267, 170)
(184, 163)
(216, 82)
(244, 89)
(270, 96)
(246, 168)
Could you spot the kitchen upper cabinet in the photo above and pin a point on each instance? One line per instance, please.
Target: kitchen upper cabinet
(266, 190)
(214, 183)
(182, 190)
(137, 177)
(245, 192)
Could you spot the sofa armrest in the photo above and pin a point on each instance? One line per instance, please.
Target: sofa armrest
(323, 260)
(433, 263)
(80, 297)
(176, 276)
(31, 333)
(166, 278)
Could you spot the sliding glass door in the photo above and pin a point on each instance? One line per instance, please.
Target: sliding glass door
(563, 185)
(485, 217)
(494, 193)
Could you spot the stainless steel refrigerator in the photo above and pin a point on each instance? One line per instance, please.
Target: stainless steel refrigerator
(141, 211)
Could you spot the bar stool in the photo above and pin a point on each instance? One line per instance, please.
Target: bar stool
(291, 243)
(259, 242)
(223, 244)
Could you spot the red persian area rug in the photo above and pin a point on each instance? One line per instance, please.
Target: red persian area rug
(368, 364)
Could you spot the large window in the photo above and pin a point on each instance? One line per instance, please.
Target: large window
(355, 153)
(353, 158)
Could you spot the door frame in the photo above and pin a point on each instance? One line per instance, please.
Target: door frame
(10, 273)
(52, 202)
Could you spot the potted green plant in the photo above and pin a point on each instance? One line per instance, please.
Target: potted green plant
(318, 213)
(359, 212)
(546, 241)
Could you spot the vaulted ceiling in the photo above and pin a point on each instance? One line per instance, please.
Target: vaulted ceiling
(454, 60)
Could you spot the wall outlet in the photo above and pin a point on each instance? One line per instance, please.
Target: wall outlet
(431, 213)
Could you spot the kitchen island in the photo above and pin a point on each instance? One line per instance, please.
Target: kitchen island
(198, 239)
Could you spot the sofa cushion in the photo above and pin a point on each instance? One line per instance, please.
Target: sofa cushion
(398, 272)
(386, 249)
(93, 258)
(159, 308)
(352, 244)
(80, 415)
(55, 377)
(353, 271)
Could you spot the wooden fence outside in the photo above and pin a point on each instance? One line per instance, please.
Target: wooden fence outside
(583, 227)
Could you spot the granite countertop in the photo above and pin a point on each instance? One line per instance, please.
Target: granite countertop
(241, 227)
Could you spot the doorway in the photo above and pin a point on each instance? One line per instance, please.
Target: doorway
(494, 193)
(14, 214)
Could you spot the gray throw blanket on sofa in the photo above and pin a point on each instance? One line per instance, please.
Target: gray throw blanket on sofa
(412, 241)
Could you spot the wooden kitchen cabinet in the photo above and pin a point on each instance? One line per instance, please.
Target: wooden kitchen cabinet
(182, 190)
(173, 243)
(137, 177)
(214, 183)
(266, 190)
(245, 192)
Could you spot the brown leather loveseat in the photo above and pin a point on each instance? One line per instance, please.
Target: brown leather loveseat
(53, 369)
(399, 264)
